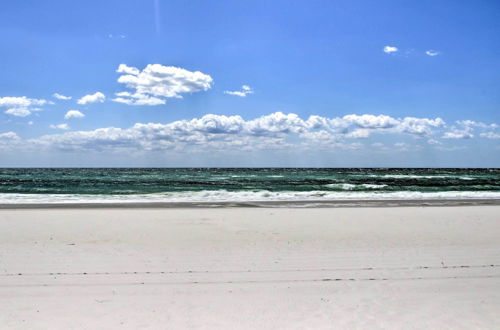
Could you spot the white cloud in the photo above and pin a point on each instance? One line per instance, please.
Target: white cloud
(132, 99)
(157, 82)
(61, 97)
(390, 49)
(19, 102)
(490, 135)
(431, 52)
(272, 131)
(60, 126)
(245, 90)
(385, 124)
(20, 106)
(371, 121)
(18, 112)
(97, 97)
(472, 123)
(73, 114)
(116, 36)
(276, 123)
(9, 136)
(419, 126)
(123, 68)
(359, 133)
(466, 128)
(456, 134)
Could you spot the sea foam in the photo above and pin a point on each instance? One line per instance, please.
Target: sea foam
(243, 196)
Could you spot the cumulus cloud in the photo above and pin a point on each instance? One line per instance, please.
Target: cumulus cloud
(21, 106)
(273, 131)
(73, 114)
(156, 83)
(359, 133)
(390, 49)
(431, 52)
(245, 90)
(10, 141)
(19, 102)
(371, 121)
(97, 97)
(61, 97)
(463, 129)
(60, 126)
(419, 126)
(18, 112)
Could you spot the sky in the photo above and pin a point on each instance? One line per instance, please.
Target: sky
(242, 84)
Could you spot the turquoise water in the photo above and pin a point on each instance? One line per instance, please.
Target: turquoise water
(199, 184)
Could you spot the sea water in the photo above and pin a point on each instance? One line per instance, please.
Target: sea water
(83, 185)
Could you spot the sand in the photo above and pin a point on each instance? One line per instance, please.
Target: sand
(248, 268)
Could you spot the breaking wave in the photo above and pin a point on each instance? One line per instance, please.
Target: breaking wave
(243, 196)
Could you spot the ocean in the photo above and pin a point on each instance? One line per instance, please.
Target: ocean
(101, 185)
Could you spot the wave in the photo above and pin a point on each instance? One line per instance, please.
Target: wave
(413, 176)
(349, 186)
(243, 196)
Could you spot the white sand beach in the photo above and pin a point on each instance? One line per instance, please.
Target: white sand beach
(251, 268)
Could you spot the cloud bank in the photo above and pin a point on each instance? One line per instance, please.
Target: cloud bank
(276, 130)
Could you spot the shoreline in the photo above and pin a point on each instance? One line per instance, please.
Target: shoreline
(260, 204)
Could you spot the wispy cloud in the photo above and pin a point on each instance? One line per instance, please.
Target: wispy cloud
(431, 52)
(61, 97)
(60, 126)
(490, 135)
(116, 36)
(390, 49)
(245, 90)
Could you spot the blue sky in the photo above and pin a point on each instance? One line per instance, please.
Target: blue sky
(233, 83)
